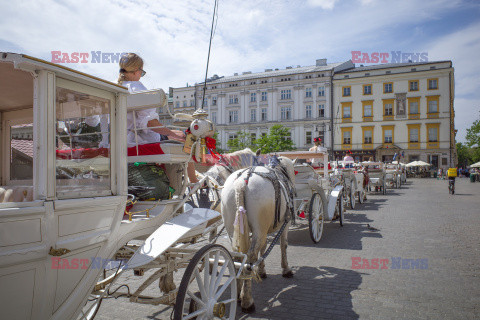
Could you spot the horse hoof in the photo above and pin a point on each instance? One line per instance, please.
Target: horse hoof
(263, 275)
(250, 309)
(289, 274)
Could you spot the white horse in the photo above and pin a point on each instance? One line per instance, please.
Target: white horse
(248, 200)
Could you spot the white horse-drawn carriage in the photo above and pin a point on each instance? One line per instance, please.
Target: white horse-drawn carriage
(317, 193)
(353, 180)
(376, 174)
(393, 175)
(63, 198)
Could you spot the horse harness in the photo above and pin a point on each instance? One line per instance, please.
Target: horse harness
(281, 182)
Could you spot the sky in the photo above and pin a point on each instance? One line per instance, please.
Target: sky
(250, 35)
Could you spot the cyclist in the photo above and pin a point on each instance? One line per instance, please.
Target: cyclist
(451, 174)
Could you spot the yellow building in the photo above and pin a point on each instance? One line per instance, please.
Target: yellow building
(402, 108)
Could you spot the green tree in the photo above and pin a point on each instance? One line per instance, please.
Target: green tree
(473, 140)
(463, 154)
(218, 144)
(278, 139)
(242, 140)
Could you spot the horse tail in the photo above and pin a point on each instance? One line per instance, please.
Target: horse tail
(241, 229)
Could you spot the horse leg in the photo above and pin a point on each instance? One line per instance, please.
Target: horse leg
(286, 271)
(247, 304)
(261, 267)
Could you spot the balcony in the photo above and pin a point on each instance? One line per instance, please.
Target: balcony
(414, 116)
(367, 146)
(432, 145)
(432, 115)
(414, 145)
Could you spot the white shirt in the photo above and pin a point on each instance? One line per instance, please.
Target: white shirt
(142, 118)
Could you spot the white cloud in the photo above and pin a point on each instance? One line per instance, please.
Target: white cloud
(324, 4)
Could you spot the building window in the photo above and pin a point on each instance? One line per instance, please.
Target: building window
(347, 138)
(308, 92)
(321, 111)
(286, 113)
(321, 91)
(413, 133)
(214, 117)
(264, 114)
(177, 104)
(433, 134)
(184, 104)
(432, 106)
(413, 107)
(367, 89)
(413, 85)
(388, 107)
(233, 99)
(388, 87)
(367, 136)
(264, 96)
(253, 137)
(346, 91)
(388, 135)
(263, 134)
(233, 116)
(253, 97)
(286, 94)
(367, 110)
(308, 111)
(205, 102)
(308, 138)
(346, 112)
(214, 101)
(253, 115)
(232, 136)
(432, 84)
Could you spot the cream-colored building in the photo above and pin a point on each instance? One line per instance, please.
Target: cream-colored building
(296, 97)
(402, 108)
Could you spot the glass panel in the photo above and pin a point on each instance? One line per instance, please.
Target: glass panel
(413, 107)
(368, 111)
(21, 152)
(432, 106)
(83, 142)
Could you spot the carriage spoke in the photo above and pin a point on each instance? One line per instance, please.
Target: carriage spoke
(213, 278)
(228, 301)
(220, 275)
(206, 275)
(195, 314)
(194, 297)
(224, 287)
(203, 293)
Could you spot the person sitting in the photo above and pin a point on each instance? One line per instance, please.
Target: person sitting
(149, 128)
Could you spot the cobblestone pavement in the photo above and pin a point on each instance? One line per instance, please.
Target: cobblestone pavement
(419, 221)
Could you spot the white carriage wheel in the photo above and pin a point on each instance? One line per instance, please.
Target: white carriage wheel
(94, 300)
(316, 217)
(340, 206)
(361, 195)
(208, 289)
(352, 196)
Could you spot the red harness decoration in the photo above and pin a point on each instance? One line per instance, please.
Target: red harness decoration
(211, 146)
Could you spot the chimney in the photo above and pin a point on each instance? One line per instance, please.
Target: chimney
(289, 68)
(235, 74)
(321, 62)
(268, 70)
(247, 72)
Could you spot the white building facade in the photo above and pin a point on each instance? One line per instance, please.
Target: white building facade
(298, 98)
(405, 108)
